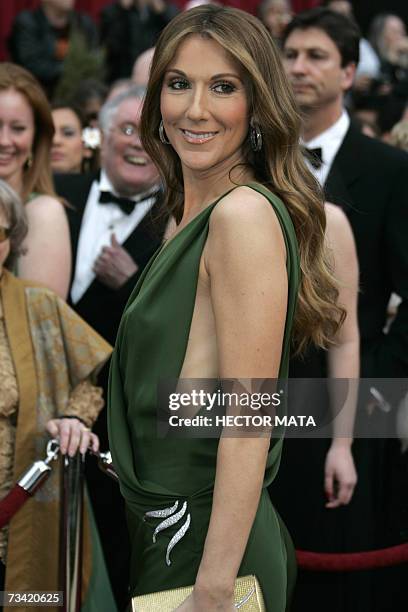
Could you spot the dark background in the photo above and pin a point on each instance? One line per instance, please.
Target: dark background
(364, 9)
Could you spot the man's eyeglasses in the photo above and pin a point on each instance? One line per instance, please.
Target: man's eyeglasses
(128, 129)
(4, 233)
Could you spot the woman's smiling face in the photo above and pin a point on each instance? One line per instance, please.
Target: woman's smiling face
(204, 106)
(16, 135)
(67, 149)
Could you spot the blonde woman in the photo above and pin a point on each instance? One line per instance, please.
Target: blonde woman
(26, 133)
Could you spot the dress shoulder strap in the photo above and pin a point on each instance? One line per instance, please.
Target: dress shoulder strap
(32, 195)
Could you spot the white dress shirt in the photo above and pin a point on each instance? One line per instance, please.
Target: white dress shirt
(329, 142)
(99, 222)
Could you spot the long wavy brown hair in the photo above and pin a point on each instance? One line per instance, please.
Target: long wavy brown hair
(37, 175)
(279, 165)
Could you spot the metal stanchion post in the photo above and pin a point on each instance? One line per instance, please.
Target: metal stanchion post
(71, 531)
(105, 464)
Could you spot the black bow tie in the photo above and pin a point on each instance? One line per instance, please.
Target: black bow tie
(314, 156)
(125, 204)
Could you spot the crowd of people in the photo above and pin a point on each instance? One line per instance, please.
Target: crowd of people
(219, 207)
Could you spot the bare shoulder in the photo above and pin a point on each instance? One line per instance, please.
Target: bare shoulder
(244, 209)
(335, 215)
(338, 228)
(243, 203)
(340, 241)
(244, 234)
(43, 205)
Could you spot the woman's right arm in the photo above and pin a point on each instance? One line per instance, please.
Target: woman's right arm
(344, 360)
(48, 257)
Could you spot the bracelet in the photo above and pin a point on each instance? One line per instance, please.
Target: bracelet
(71, 416)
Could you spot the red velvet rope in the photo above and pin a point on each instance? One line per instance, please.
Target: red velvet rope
(351, 562)
(11, 503)
(310, 561)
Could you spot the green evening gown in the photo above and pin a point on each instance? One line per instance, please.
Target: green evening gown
(178, 474)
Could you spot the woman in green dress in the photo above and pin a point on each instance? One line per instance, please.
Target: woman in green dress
(223, 299)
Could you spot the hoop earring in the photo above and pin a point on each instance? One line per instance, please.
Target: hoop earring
(162, 134)
(255, 137)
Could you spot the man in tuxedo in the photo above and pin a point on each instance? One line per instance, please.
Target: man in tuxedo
(364, 176)
(114, 219)
(116, 226)
(368, 179)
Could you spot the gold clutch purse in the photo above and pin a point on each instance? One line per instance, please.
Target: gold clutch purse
(247, 593)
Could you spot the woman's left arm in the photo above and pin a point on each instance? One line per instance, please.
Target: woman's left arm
(48, 257)
(245, 258)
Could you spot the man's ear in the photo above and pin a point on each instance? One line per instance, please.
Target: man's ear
(349, 73)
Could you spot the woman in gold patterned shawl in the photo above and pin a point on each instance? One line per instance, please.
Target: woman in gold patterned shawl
(49, 358)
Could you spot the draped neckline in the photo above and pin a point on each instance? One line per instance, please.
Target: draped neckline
(167, 242)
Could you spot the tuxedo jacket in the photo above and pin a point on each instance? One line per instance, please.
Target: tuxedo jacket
(369, 180)
(101, 306)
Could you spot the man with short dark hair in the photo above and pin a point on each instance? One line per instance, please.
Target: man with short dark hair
(369, 181)
(366, 177)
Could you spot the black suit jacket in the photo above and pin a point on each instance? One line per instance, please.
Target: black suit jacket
(126, 33)
(101, 306)
(369, 180)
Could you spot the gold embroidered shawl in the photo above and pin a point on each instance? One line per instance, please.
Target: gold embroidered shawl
(53, 350)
